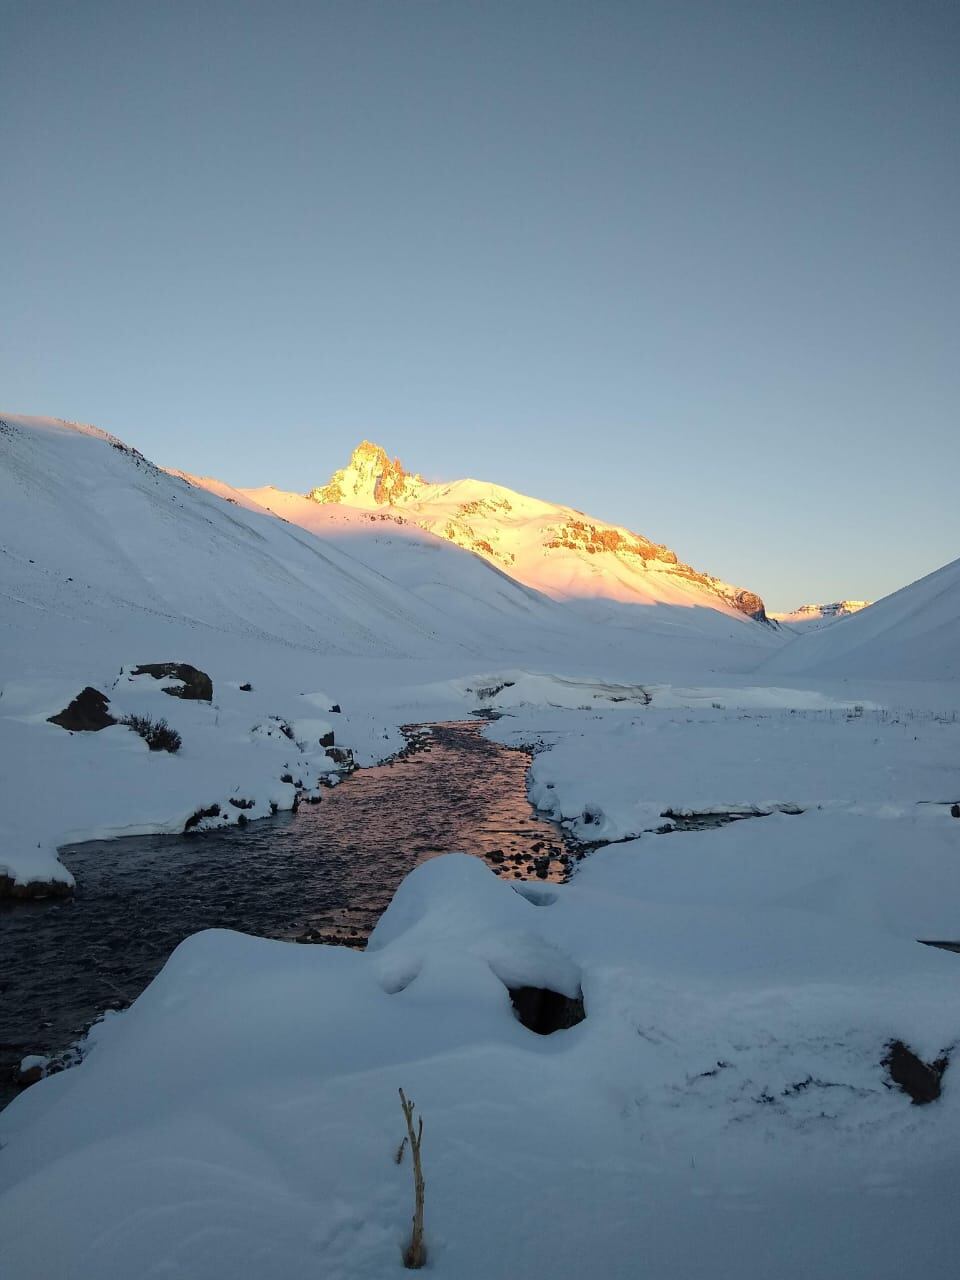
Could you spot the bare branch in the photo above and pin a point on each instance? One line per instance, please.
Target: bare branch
(415, 1254)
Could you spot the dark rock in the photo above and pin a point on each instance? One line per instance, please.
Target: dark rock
(342, 756)
(921, 1080)
(286, 777)
(327, 740)
(246, 688)
(335, 709)
(87, 713)
(545, 1011)
(30, 1076)
(240, 803)
(196, 818)
(34, 888)
(196, 685)
(955, 811)
(750, 603)
(242, 819)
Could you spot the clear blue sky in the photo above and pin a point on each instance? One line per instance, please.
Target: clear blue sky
(692, 267)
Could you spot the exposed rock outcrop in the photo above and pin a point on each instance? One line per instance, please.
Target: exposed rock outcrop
(195, 685)
(921, 1080)
(87, 713)
(371, 477)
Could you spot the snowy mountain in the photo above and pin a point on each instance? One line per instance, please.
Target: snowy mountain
(913, 634)
(557, 550)
(813, 616)
(107, 562)
(90, 522)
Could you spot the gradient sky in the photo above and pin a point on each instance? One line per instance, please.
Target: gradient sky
(691, 267)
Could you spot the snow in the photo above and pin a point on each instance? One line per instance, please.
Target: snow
(606, 570)
(107, 562)
(615, 772)
(723, 1110)
(815, 616)
(912, 634)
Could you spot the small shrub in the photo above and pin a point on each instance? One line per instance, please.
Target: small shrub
(157, 734)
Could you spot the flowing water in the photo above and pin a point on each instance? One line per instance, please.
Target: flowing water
(325, 873)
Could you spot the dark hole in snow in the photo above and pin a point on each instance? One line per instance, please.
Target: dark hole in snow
(955, 811)
(537, 897)
(545, 1011)
(921, 1080)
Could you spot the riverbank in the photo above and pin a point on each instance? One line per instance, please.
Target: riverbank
(324, 874)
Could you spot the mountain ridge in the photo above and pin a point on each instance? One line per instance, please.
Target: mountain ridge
(821, 615)
(554, 548)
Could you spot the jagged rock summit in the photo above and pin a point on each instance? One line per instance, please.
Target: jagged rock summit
(820, 615)
(370, 479)
(552, 548)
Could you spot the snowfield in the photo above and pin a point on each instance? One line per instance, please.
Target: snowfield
(725, 1110)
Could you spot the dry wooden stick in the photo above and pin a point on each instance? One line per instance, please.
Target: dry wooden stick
(415, 1255)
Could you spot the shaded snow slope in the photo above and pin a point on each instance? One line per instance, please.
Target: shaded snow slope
(89, 522)
(913, 634)
(678, 623)
(556, 549)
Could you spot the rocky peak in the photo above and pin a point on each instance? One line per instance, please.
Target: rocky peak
(370, 479)
(823, 612)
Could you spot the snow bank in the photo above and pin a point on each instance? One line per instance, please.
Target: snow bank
(723, 1095)
(613, 773)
